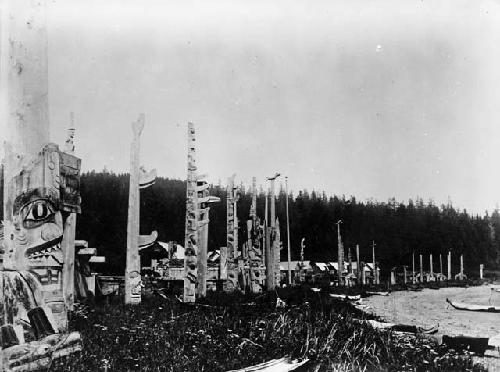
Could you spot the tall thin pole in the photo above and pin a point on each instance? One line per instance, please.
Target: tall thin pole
(413, 267)
(340, 253)
(358, 267)
(288, 236)
(440, 264)
(133, 269)
(374, 268)
(421, 269)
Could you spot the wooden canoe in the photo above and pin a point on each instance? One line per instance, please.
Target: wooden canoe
(377, 293)
(345, 297)
(473, 307)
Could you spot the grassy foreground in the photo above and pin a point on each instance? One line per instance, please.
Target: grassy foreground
(225, 332)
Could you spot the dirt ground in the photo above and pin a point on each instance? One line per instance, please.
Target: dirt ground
(429, 308)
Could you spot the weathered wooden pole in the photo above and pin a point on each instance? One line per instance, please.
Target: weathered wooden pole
(192, 221)
(68, 240)
(358, 274)
(404, 274)
(431, 267)
(231, 283)
(373, 260)
(133, 265)
(393, 277)
(255, 255)
(340, 258)
(276, 253)
(421, 269)
(413, 268)
(481, 269)
(449, 265)
(363, 274)
(440, 264)
(349, 259)
(289, 255)
(204, 201)
(461, 267)
(270, 246)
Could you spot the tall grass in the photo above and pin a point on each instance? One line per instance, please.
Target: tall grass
(231, 331)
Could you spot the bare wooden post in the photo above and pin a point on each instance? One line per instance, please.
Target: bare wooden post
(431, 276)
(374, 269)
(288, 236)
(192, 222)
(358, 273)
(461, 267)
(449, 265)
(133, 269)
(363, 274)
(404, 274)
(223, 264)
(440, 264)
(421, 270)
(393, 277)
(481, 269)
(413, 279)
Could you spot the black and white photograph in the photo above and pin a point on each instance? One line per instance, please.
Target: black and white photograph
(249, 185)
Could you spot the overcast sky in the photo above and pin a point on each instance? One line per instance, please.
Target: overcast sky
(367, 98)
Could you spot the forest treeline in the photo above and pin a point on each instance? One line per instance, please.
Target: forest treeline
(398, 229)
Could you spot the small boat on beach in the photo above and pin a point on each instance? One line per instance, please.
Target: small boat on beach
(377, 293)
(473, 307)
(345, 297)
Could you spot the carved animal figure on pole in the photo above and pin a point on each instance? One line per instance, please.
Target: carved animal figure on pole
(231, 283)
(192, 221)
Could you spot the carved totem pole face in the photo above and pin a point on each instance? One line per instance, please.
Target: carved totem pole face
(34, 229)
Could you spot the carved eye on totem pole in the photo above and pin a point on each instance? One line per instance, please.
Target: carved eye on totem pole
(38, 232)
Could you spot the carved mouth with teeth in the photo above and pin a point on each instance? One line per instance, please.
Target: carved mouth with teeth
(46, 251)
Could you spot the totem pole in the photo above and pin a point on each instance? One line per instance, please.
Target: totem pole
(204, 201)
(276, 250)
(231, 283)
(133, 283)
(301, 269)
(68, 240)
(256, 264)
(271, 254)
(41, 191)
(192, 220)
(289, 255)
(340, 253)
(440, 264)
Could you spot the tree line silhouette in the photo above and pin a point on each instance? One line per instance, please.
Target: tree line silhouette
(398, 229)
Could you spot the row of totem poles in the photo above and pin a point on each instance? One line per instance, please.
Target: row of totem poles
(431, 275)
(255, 267)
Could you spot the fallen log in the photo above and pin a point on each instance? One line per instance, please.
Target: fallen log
(275, 365)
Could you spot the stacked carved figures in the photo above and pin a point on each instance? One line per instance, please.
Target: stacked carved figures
(41, 193)
(192, 220)
(255, 251)
(231, 283)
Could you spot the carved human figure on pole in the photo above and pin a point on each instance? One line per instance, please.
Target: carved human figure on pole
(192, 221)
(231, 283)
(133, 264)
(255, 253)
